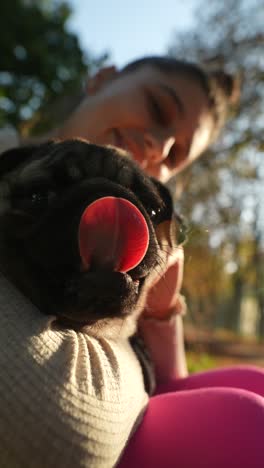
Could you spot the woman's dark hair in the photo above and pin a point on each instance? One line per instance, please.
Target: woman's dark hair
(221, 88)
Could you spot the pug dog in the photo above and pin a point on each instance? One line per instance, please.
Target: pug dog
(45, 192)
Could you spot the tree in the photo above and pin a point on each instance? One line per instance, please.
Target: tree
(40, 60)
(229, 35)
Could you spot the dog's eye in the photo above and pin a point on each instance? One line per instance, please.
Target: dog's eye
(41, 196)
(156, 215)
(32, 200)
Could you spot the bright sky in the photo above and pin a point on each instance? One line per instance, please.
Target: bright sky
(131, 29)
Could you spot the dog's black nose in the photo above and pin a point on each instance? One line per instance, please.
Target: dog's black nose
(113, 235)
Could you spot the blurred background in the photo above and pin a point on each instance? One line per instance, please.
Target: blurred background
(48, 47)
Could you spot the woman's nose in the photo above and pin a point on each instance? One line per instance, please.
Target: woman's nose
(157, 148)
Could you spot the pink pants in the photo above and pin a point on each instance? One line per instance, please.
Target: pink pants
(213, 419)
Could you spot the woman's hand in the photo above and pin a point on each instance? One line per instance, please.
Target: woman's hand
(164, 338)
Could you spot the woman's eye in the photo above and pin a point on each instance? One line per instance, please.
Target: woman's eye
(156, 109)
(161, 110)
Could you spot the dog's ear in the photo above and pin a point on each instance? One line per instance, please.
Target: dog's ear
(13, 157)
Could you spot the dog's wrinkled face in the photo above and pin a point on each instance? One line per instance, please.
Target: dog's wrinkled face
(44, 191)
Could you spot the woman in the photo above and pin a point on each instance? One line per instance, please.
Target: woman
(166, 113)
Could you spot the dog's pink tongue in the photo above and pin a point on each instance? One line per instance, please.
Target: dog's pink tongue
(113, 234)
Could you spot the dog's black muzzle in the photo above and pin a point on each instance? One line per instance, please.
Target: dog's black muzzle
(49, 242)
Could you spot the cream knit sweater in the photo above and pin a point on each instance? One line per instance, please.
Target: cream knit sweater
(68, 399)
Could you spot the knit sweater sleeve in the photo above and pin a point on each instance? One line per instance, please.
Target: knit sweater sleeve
(68, 399)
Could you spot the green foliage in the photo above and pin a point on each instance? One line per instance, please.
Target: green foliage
(197, 362)
(40, 59)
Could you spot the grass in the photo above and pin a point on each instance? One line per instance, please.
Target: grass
(200, 361)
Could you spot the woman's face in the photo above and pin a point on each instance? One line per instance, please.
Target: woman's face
(162, 119)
